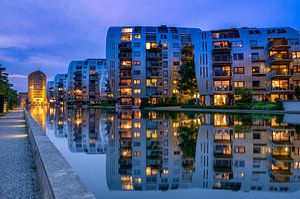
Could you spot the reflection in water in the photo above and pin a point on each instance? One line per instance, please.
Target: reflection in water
(166, 151)
(39, 114)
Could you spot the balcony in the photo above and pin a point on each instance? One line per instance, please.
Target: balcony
(154, 48)
(221, 46)
(125, 84)
(154, 74)
(223, 89)
(154, 56)
(222, 74)
(278, 73)
(154, 64)
(187, 47)
(125, 75)
(287, 88)
(125, 56)
(125, 47)
(187, 56)
(278, 44)
(222, 59)
(279, 59)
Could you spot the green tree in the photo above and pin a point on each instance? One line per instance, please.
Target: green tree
(243, 95)
(187, 84)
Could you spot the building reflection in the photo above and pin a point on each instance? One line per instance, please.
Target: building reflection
(39, 114)
(162, 151)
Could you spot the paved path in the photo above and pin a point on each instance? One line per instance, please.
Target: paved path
(17, 172)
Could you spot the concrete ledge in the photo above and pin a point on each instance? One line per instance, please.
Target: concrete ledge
(55, 176)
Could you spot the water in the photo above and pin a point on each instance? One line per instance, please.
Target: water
(134, 154)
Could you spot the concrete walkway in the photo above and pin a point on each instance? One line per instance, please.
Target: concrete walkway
(17, 170)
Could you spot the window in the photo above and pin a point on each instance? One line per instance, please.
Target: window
(137, 36)
(137, 91)
(255, 70)
(175, 45)
(252, 32)
(176, 63)
(137, 134)
(137, 45)
(255, 84)
(239, 135)
(237, 44)
(137, 153)
(254, 56)
(238, 84)
(137, 125)
(296, 68)
(137, 63)
(136, 53)
(136, 72)
(163, 36)
(256, 150)
(137, 81)
(256, 136)
(239, 163)
(239, 149)
(176, 54)
(253, 43)
(175, 37)
(296, 54)
(239, 70)
(256, 163)
(165, 64)
(238, 56)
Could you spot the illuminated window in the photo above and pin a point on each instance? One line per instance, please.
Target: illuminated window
(296, 54)
(137, 81)
(136, 63)
(137, 153)
(137, 91)
(148, 171)
(239, 149)
(137, 36)
(137, 180)
(239, 135)
(126, 30)
(137, 134)
(175, 91)
(137, 125)
(239, 70)
(166, 171)
(175, 82)
(165, 45)
(238, 84)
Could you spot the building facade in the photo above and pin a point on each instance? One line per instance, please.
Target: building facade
(265, 60)
(144, 61)
(61, 88)
(23, 98)
(50, 92)
(37, 88)
(87, 81)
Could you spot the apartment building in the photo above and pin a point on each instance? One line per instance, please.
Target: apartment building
(87, 81)
(50, 92)
(61, 88)
(37, 88)
(266, 60)
(144, 61)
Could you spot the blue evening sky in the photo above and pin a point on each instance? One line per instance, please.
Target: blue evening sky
(48, 34)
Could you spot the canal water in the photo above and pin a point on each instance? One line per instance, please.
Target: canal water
(149, 154)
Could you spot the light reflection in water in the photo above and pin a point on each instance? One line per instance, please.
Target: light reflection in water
(168, 151)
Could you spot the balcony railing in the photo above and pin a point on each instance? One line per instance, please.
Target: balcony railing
(155, 48)
(222, 47)
(278, 73)
(125, 46)
(125, 55)
(187, 56)
(154, 56)
(279, 59)
(223, 88)
(187, 47)
(287, 88)
(154, 74)
(278, 44)
(219, 59)
(154, 64)
(222, 73)
(126, 75)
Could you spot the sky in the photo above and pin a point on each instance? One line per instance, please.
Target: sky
(47, 34)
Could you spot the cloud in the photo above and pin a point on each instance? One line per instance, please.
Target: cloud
(45, 61)
(17, 76)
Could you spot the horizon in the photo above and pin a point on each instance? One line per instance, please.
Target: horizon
(47, 36)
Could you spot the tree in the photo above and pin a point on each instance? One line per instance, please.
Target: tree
(243, 95)
(187, 84)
